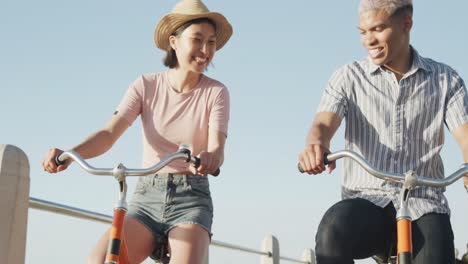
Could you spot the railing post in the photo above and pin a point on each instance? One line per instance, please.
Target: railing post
(14, 204)
(207, 258)
(308, 255)
(270, 244)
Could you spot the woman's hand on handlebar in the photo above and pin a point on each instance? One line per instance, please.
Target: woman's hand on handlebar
(209, 163)
(311, 159)
(49, 165)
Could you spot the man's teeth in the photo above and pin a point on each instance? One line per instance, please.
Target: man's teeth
(374, 52)
(197, 59)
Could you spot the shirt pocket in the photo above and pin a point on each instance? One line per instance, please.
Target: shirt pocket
(423, 110)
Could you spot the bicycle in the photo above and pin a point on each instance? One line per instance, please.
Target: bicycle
(409, 180)
(117, 248)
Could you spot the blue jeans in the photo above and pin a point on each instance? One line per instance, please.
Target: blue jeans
(357, 229)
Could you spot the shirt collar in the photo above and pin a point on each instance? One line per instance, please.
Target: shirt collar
(418, 63)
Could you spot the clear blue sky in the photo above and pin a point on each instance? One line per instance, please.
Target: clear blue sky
(65, 65)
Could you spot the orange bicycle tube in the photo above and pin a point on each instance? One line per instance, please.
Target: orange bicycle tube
(117, 251)
(404, 244)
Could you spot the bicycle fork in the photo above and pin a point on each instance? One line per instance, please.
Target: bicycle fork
(117, 248)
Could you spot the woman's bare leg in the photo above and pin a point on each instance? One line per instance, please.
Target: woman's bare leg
(139, 239)
(189, 244)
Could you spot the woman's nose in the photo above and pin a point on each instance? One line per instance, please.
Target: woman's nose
(204, 47)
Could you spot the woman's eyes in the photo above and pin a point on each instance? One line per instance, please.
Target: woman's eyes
(199, 40)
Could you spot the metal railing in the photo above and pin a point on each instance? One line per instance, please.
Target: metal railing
(268, 255)
(15, 203)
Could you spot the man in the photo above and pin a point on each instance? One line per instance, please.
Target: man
(395, 103)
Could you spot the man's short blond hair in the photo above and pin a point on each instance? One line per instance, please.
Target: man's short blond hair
(389, 6)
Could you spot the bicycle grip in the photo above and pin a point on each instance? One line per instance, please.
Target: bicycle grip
(197, 162)
(58, 162)
(325, 161)
(325, 158)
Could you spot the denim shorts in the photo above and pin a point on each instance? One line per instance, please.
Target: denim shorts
(163, 202)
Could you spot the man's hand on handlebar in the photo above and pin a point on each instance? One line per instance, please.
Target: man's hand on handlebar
(311, 159)
(49, 164)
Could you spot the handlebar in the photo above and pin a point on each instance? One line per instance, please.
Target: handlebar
(121, 171)
(409, 179)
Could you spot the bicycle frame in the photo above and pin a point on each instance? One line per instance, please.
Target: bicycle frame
(117, 248)
(409, 180)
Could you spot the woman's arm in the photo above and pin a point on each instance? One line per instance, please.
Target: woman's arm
(95, 145)
(213, 158)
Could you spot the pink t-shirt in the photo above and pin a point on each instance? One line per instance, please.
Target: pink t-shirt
(171, 119)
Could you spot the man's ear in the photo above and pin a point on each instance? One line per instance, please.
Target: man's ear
(407, 23)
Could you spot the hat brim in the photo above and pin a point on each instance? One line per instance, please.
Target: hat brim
(170, 22)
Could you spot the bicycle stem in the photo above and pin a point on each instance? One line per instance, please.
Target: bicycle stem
(122, 202)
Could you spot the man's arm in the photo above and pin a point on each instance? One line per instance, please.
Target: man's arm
(318, 142)
(461, 136)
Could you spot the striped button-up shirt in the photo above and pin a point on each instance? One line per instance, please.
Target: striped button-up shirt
(397, 126)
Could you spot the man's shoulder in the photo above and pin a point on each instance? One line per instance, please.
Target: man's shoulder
(356, 64)
(353, 69)
(436, 66)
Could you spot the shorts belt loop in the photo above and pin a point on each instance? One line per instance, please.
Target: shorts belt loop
(170, 177)
(187, 186)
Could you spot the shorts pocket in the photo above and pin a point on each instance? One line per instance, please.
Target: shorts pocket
(200, 188)
(141, 188)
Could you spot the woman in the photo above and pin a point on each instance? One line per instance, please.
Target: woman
(178, 106)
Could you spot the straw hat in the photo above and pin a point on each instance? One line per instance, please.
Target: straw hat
(185, 11)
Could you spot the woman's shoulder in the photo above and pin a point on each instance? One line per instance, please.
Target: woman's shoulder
(147, 84)
(152, 77)
(150, 80)
(213, 83)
